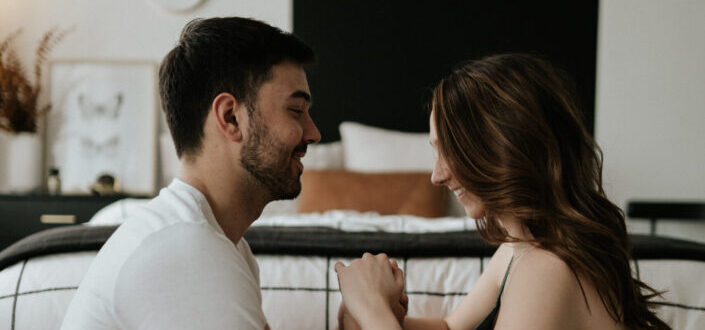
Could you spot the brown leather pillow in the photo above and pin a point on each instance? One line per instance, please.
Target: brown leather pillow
(385, 193)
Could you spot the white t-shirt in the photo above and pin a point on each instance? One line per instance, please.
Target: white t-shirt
(170, 266)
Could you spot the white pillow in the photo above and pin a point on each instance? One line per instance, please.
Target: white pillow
(372, 149)
(324, 156)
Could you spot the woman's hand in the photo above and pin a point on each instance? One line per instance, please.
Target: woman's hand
(371, 287)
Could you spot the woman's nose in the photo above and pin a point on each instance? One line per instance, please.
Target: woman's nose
(440, 173)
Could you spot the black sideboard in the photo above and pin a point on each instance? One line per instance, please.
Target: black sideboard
(22, 215)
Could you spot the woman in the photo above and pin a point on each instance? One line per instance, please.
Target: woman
(512, 148)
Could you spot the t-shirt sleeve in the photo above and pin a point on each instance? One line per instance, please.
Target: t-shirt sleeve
(187, 277)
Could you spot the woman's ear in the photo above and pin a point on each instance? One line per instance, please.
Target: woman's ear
(229, 115)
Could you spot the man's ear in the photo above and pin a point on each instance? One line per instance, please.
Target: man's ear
(230, 116)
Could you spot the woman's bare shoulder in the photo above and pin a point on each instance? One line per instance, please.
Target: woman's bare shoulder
(542, 261)
(545, 271)
(548, 284)
(500, 260)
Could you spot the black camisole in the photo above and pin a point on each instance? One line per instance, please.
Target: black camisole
(488, 322)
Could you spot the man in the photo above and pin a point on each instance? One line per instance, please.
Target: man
(236, 100)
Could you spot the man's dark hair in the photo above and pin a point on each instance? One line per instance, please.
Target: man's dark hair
(216, 55)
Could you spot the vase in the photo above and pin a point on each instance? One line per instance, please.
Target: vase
(23, 163)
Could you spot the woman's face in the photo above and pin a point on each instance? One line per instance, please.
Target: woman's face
(443, 176)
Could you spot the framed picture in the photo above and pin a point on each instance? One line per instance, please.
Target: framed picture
(103, 121)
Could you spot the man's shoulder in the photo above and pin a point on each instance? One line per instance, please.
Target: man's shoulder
(195, 246)
(186, 260)
(162, 212)
(191, 236)
(188, 270)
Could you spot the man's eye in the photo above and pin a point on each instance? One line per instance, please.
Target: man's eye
(296, 110)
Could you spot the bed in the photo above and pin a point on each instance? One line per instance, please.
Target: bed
(297, 242)
(442, 258)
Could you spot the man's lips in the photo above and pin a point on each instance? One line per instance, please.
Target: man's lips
(299, 152)
(296, 156)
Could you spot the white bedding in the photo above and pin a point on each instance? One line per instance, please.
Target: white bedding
(300, 292)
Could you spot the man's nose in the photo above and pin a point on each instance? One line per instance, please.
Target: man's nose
(311, 133)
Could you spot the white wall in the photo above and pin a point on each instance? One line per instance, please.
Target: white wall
(116, 30)
(125, 29)
(650, 107)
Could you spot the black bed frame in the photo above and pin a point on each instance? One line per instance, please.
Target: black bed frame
(319, 241)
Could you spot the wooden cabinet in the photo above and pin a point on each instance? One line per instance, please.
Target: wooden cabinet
(21, 216)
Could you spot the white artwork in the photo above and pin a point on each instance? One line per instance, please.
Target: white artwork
(103, 121)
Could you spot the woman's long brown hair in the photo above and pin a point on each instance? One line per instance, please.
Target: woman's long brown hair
(511, 130)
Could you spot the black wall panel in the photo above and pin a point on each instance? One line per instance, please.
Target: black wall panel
(378, 60)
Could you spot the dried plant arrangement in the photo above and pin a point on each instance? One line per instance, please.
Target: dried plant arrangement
(19, 110)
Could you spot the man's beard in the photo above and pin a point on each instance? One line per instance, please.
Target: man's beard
(269, 162)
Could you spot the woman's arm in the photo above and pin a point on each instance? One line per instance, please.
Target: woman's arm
(478, 303)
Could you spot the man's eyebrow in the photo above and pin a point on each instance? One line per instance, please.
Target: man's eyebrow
(301, 94)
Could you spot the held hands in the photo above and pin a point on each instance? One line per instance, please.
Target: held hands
(372, 289)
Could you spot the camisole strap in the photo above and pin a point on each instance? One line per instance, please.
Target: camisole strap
(488, 322)
(504, 281)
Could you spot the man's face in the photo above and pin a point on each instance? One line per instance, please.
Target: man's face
(280, 128)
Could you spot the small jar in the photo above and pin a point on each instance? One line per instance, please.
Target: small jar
(54, 182)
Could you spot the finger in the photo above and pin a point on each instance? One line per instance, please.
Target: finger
(398, 277)
(394, 263)
(399, 312)
(338, 266)
(341, 309)
(404, 301)
(341, 312)
(398, 272)
(366, 255)
(383, 256)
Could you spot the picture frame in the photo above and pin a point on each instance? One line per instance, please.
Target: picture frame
(103, 121)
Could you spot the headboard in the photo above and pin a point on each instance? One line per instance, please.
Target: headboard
(378, 60)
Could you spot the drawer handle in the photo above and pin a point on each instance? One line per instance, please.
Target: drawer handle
(57, 218)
